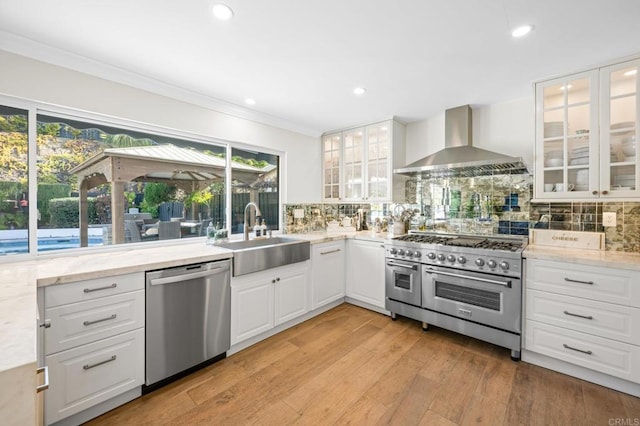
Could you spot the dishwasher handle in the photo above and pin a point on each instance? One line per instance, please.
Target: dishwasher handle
(184, 277)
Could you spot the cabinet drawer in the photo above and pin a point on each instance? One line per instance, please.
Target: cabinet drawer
(604, 355)
(598, 318)
(603, 284)
(92, 289)
(87, 375)
(75, 324)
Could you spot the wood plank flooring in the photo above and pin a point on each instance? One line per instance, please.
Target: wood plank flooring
(351, 366)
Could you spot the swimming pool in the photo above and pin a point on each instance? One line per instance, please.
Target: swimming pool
(21, 245)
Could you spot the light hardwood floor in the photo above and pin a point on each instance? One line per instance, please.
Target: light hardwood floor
(353, 366)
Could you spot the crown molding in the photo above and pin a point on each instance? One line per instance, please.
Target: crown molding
(42, 52)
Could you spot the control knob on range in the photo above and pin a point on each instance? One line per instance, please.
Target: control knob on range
(491, 263)
(441, 257)
(409, 253)
(417, 254)
(431, 255)
(462, 259)
(400, 252)
(479, 262)
(504, 265)
(393, 250)
(451, 258)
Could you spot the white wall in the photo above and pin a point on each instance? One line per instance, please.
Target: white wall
(38, 81)
(506, 127)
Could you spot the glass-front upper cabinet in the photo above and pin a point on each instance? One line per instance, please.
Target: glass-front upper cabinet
(586, 128)
(620, 119)
(566, 136)
(331, 149)
(358, 163)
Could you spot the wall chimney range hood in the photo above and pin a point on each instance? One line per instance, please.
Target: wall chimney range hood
(459, 157)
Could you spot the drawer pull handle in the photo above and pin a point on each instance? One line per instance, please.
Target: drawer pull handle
(577, 350)
(578, 281)
(89, 290)
(45, 385)
(112, 317)
(589, 317)
(330, 251)
(89, 367)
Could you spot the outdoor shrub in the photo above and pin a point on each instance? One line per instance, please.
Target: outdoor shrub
(65, 213)
(47, 192)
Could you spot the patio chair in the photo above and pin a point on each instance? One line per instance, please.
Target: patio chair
(169, 230)
(131, 232)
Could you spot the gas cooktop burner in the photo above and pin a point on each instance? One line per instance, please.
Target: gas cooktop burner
(458, 241)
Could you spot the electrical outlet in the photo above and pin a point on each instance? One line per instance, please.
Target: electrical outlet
(609, 218)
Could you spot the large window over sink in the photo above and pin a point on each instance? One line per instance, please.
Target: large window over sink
(101, 183)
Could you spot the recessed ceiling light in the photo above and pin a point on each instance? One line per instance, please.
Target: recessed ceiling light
(359, 91)
(250, 101)
(522, 31)
(222, 12)
(631, 72)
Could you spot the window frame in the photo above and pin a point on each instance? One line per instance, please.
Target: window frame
(35, 108)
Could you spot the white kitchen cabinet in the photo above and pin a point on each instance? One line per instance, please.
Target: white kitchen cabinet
(93, 344)
(358, 163)
(586, 126)
(89, 374)
(328, 272)
(265, 299)
(365, 272)
(584, 315)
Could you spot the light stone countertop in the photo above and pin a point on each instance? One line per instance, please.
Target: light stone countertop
(602, 258)
(19, 281)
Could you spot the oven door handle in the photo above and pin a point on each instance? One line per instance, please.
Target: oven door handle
(412, 267)
(466, 277)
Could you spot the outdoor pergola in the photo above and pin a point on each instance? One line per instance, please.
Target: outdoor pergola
(186, 169)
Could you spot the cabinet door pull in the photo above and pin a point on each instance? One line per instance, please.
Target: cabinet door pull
(100, 320)
(45, 385)
(89, 367)
(89, 290)
(577, 350)
(589, 317)
(329, 252)
(578, 281)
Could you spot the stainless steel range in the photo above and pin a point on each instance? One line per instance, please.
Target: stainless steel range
(468, 284)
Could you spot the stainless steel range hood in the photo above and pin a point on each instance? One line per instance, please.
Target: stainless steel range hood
(459, 157)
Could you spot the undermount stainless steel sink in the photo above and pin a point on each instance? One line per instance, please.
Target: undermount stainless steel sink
(260, 254)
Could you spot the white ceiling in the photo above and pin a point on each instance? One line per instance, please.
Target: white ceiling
(300, 60)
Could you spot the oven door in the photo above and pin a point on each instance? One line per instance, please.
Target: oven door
(402, 281)
(483, 298)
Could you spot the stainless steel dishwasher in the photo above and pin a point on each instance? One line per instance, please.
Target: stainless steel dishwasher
(188, 315)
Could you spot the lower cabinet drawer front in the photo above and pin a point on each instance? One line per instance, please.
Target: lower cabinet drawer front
(78, 323)
(85, 376)
(596, 283)
(61, 294)
(604, 355)
(598, 318)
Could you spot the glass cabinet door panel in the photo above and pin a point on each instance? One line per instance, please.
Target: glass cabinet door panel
(553, 96)
(623, 82)
(623, 113)
(331, 145)
(554, 123)
(578, 119)
(578, 91)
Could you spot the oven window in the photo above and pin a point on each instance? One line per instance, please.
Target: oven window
(403, 281)
(471, 296)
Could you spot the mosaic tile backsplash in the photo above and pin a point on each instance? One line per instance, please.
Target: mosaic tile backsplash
(487, 205)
